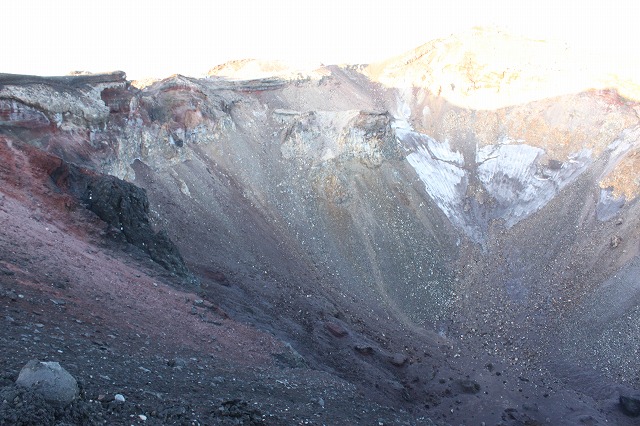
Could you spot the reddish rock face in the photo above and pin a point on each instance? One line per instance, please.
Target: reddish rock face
(16, 114)
(117, 99)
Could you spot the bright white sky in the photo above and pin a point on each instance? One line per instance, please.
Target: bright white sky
(163, 37)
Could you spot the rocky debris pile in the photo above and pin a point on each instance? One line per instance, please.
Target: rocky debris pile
(241, 412)
(125, 208)
(253, 404)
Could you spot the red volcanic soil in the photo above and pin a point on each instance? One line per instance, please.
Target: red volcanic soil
(71, 291)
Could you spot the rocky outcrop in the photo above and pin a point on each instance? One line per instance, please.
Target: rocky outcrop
(320, 136)
(124, 206)
(65, 101)
(125, 209)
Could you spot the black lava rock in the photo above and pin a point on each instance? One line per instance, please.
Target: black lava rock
(125, 208)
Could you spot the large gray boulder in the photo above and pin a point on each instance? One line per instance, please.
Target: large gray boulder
(49, 379)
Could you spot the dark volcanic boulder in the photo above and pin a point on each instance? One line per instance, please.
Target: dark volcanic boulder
(125, 207)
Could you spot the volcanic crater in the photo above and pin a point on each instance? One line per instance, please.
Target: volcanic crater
(436, 239)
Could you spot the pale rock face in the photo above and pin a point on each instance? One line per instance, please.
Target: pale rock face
(247, 69)
(17, 114)
(322, 136)
(608, 205)
(467, 70)
(68, 106)
(622, 176)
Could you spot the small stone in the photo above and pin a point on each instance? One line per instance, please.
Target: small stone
(586, 419)
(218, 380)
(219, 277)
(142, 417)
(177, 362)
(469, 386)
(399, 360)
(630, 405)
(615, 241)
(119, 397)
(364, 349)
(335, 329)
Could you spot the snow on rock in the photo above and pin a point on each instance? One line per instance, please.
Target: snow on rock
(520, 185)
(441, 170)
(510, 174)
